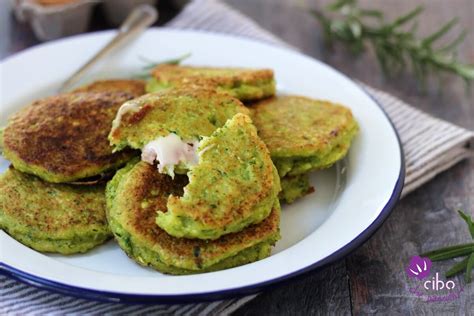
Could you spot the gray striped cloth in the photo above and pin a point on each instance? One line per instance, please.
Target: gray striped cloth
(431, 146)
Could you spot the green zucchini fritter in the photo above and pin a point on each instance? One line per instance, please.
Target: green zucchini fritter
(134, 196)
(304, 134)
(63, 138)
(294, 187)
(243, 83)
(188, 113)
(51, 217)
(235, 184)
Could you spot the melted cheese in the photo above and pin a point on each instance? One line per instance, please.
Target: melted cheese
(129, 106)
(170, 151)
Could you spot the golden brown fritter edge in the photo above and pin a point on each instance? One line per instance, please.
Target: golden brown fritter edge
(64, 138)
(142, 192)
(182, 74)
(134, 87)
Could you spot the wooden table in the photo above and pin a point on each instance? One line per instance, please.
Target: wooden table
(372, 279)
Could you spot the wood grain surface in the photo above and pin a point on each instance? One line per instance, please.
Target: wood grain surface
(371, 279)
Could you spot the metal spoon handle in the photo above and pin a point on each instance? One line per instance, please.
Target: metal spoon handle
(137, 21)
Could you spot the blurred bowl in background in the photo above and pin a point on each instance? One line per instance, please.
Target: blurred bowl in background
(117, 11)
(55, 19)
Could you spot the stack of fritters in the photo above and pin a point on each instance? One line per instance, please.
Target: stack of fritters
(223, 214)
(205, 194)
(51, 143)
(138, 192)
(303, 135)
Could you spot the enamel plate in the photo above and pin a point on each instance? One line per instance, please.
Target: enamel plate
(351, 200)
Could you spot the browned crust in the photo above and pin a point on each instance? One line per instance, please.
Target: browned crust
(296, 125)
(149, 188)
(178, 75)
(202, 212)
(58, 210)
(163, 101)
(65, 135)
(134, 87)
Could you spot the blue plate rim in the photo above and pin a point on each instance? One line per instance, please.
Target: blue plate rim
(105, 296)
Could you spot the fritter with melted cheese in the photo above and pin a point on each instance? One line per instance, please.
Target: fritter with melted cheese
(234, 185)
(134, 196)
(189, 113)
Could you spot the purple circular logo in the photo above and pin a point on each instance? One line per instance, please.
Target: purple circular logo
(419, 267)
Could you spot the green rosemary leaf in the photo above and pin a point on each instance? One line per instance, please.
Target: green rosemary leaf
(439, 33)
(449, 252)
(405, 18)
(457, 268)
(469, 222)
(372, 13)
(145, 74)
(465, 71)
(414, 27)
(469, 266)
(173, 61)
(178, 60)
(355, 29)
(383, 61)
(455, 43)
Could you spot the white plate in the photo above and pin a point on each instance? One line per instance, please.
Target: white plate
(351, 200)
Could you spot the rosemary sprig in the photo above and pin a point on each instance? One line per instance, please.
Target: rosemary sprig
(466, 250)
(450, 252)
(469, 222)
(469, 266)
(457, 268)
(150, 64)
(396, 46)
